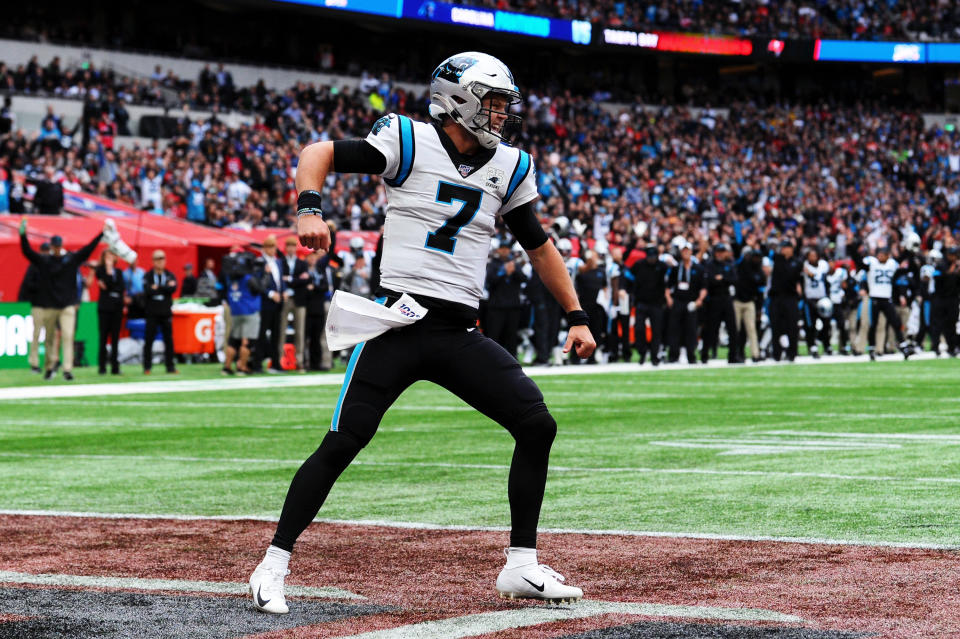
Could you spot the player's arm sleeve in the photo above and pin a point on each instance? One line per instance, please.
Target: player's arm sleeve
(523, 223)
(385, 138)
(357, 156)
(522, 185)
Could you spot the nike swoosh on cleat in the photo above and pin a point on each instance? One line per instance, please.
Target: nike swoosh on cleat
(538, 588)
(261, 602)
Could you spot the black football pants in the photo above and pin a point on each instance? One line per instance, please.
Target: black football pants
(784, 315)
(470, 365)
(879, 305)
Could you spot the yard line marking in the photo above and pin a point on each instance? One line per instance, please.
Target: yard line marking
(904, 436)
(800, 443)
(554, 469)
(226, 404)
(178, 585)
(407, 525)
(488, 622)
(292, 381)
(734, 447)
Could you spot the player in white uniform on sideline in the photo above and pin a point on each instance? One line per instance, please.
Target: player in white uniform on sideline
(446, 183)
(880, 272)
(815, 272)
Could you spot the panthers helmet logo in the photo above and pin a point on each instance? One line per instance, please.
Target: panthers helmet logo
(452, 69)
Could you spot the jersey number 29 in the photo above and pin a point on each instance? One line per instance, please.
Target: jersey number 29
(445, 238)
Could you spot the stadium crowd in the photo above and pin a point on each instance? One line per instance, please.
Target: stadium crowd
(846, 19)
(841, 179)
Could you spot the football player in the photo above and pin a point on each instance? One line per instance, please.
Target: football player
(815, 272)
(880, 273)
(446, 183)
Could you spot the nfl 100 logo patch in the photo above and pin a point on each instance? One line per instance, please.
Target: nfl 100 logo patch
(495, 178)
(465, 169)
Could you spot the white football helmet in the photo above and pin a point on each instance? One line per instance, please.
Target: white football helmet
(458, 87)
(825, 307)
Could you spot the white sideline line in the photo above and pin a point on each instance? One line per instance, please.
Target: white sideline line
(488, 622)
(177, 585)
(555, 469)
(289, 381)
(383, 523)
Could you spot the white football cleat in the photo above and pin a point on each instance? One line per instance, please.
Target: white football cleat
(266, 586)
(536, 581)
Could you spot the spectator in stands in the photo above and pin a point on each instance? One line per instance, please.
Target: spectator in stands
(159, 286)
(48, 199)
(58, 272)
(109, 309)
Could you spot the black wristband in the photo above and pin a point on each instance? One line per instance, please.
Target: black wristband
(309, 200)
(578, 318)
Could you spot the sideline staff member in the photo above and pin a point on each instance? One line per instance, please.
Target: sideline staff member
(159, 284)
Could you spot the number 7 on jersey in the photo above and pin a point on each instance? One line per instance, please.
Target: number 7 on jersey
(445, 238)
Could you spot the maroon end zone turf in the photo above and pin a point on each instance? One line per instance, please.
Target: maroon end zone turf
(428, 575)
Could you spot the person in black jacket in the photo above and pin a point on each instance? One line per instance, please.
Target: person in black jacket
(546, 319)
(591, 279)
(785, 300)
(58, 273)
(159, 285)
(946, 302)
(747, 300)
(48, 200)
(188, 287)
(685, 293)
(649, 284)
(33, 291)
(109, 309)
(720, 276)
(315, 305)
(504, 281)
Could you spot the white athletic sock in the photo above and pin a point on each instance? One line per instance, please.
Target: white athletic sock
(276, 558)
(517, 557)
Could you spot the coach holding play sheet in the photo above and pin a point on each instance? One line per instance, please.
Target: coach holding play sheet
(58, 272)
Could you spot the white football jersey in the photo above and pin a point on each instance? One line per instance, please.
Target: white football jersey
(880, 276)
(814, 279)
(440, 211)
(835, 282)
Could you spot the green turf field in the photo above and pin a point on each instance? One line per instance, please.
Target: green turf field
(847, 451)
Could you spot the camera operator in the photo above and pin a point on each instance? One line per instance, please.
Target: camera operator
(244, 283)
